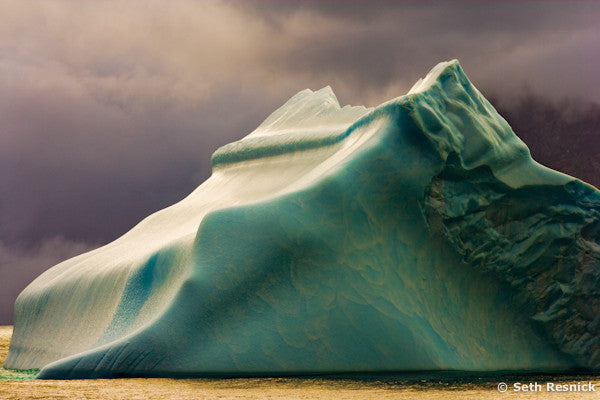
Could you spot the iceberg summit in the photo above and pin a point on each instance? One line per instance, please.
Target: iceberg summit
(418, 235)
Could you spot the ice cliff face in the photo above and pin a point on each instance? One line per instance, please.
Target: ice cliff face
(416, 235)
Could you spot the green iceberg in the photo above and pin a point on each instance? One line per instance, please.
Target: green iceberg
(418, 235)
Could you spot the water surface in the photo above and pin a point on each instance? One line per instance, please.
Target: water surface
(425, 385)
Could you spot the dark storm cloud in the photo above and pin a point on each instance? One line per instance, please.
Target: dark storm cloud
(377, 45)
(110, 110)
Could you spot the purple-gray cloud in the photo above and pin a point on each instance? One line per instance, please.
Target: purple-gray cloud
(110, 110)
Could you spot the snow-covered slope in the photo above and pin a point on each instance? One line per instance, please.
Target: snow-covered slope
(416, 235)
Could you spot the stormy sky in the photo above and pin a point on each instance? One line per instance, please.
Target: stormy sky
(110, 110)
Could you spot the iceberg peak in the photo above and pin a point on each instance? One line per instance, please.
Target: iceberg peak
(434, 75)
(308, 109)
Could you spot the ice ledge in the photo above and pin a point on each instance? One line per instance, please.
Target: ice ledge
(307, 120)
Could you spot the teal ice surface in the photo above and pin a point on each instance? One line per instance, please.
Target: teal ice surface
(419, 235)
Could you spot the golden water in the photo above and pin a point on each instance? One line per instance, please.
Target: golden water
(14, 385)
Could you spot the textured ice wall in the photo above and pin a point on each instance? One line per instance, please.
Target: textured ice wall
(417, 235)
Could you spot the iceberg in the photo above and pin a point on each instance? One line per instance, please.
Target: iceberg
(417, 235)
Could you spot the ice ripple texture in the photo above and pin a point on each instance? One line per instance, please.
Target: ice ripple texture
(418, 235)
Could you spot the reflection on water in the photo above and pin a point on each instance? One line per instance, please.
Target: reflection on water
(422, 385)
